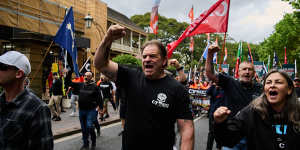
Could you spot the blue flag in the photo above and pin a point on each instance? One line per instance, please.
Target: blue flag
(204, 55)
(215, 58)
(65, 38)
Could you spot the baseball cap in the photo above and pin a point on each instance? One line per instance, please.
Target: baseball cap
(17, 59)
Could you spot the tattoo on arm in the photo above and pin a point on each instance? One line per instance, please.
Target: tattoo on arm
(111, 75)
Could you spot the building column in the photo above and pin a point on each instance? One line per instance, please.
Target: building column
(139, 42)
(130, 40)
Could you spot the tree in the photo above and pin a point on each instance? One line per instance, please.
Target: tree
(286, 34)
(295, 3)
(127, 59)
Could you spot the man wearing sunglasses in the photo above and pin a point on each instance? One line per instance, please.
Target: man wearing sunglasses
(25, 121)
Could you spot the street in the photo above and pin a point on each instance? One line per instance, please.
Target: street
(109, 139)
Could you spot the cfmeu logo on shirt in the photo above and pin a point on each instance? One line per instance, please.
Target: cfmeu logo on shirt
(161, 101)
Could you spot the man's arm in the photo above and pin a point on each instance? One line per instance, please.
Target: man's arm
(208, 65)
(186, 128)
(101, 59)
(179, 69)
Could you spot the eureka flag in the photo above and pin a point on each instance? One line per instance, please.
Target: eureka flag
(65, 38)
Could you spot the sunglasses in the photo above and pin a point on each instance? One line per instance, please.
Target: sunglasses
(5, 67)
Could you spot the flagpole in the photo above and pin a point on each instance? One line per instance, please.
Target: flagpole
(222, 54)
(34, 75)
(85, 63)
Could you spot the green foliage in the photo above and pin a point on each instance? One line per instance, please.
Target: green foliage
(295, 3)
(286, 34)
(170, 30)
(127, 59)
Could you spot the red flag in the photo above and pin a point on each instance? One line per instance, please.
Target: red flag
(215, 16)
(191, 14)
(78, 79)
(285, 58)
(154, 17)
(236, 73)
(217, 21)
(225, 56)
(192, 44)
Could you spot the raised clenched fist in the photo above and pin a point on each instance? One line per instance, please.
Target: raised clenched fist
(221, 114)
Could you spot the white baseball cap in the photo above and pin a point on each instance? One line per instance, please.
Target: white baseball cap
(17, 59)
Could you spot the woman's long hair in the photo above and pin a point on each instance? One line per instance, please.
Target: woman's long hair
(291, 108)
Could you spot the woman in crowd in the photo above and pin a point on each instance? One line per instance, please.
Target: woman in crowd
(270, 122)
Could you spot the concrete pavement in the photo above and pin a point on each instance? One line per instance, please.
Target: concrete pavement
(109, 139)
(71, 125)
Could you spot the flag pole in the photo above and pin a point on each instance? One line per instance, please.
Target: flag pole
(222, 54)
(39, 67)
(85, 63)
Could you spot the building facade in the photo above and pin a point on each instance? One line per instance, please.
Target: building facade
(29, 26)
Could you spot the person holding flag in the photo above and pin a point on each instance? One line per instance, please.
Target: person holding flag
(238, 93)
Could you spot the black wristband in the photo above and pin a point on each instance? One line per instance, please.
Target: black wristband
(180, 68)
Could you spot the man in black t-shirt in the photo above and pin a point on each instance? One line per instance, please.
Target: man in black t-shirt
(107, 94)
(155, 101)
(239, 93)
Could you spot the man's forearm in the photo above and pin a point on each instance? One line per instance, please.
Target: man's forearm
(102, 54)
(208, 67)
(187, 134)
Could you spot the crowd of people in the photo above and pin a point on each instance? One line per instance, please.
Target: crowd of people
(244, 114)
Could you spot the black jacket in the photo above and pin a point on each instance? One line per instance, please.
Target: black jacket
(89, 96)
(259, 133)
(56, 88)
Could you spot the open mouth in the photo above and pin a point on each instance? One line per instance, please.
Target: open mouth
(273, 94)
(148, 66)
(246, 76)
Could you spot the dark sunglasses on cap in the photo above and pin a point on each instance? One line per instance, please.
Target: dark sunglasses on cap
(5, 67)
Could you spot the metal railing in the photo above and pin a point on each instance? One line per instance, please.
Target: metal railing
(124, 48)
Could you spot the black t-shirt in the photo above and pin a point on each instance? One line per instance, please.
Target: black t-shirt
(106, 88)
(152, 109)
(279, 128)
(238, 95)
